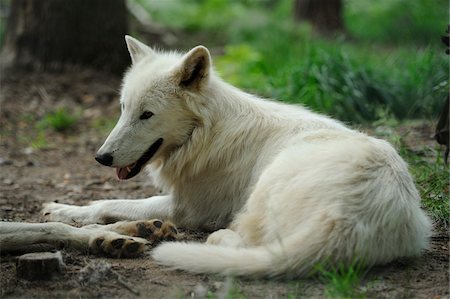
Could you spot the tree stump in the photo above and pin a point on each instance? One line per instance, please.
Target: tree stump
(39, 265)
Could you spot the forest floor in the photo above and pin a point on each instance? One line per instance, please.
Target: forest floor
(40, 164)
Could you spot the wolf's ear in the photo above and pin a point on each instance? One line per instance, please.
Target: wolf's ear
(137, 49)
(195, 68)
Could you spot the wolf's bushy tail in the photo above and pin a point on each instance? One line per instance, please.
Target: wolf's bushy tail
(268, 260)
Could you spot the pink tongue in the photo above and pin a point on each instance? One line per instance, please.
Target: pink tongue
(122, 172)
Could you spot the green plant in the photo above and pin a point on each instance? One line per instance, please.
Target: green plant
(396, 21)
(342, 281)
(382, 21)
(432, 180)
(233, 291)
(60, 120)
(193, 15)
(40, 141)
(36, 141)
(349, 82)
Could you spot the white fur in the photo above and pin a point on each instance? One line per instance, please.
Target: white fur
(297, 187)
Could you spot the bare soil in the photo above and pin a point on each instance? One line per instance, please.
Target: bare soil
(40, 165)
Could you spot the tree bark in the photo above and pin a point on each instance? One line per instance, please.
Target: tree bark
(324, 15)
(442, 127)
(51, 34)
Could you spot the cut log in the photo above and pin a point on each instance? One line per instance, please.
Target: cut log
(39, 265)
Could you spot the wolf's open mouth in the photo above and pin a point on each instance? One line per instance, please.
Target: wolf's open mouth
(129, 171)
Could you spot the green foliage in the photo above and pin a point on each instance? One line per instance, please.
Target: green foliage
(267, 53)
(39, 141)
(247, 73)
(386, 21)
(349, 82)
(397, 21)
(36, 141)
(194, 15)
(60, 120)
(342, 281)
(433, 183)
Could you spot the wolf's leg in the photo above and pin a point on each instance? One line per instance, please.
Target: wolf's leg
(151, 230)
(110, 211)
(19, 236)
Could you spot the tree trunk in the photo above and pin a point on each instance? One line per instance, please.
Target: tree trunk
(442, 127)
(324, 15)
(51, 34)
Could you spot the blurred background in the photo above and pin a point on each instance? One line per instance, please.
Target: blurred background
(378, 65)
(357, 60)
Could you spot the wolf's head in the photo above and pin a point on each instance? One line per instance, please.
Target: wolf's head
(155, 117)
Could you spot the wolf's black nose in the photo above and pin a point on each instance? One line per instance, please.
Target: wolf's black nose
(105, 159)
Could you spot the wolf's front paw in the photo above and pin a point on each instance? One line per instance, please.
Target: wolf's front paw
(69, 214)
(118, 246)
(154, 230)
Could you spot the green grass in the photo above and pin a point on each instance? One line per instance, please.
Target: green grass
(342, 281)
(37, 141)
(432, 180)
(350, 82)
(61, 120)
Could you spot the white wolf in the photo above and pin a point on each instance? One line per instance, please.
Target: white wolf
(293, 187)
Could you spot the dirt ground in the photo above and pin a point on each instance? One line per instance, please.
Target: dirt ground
(40, 165)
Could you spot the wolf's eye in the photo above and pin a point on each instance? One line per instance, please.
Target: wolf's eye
(146, 115)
